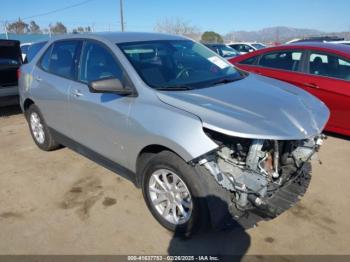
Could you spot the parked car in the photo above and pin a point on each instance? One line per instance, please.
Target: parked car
(203, 140)
(246, 47)
(344, 42)
(10, 61)
(316, 39)
(223, 50)
(321, 69)
(24, 50)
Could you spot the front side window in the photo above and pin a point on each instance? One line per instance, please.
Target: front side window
(177, 63)
(97, 63)
(329, 65)
(63, 58)
(285, 60)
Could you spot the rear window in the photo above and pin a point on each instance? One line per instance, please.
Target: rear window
(9, 53)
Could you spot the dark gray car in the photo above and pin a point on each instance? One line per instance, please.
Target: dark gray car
(179, 121)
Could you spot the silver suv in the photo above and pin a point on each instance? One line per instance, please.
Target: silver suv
(204, 140)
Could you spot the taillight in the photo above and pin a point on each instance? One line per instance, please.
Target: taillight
(18, 73)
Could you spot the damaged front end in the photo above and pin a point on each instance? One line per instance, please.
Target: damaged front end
(264, 177)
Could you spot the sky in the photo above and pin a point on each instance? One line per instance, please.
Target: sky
(221, 16)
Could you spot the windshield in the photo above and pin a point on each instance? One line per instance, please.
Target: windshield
(258, 46)
(178, 64)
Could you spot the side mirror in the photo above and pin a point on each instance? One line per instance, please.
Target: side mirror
(109, 85)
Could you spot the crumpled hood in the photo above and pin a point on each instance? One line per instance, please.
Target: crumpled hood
(254, 107)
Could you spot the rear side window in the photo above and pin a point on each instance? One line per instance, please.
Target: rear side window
(98, 63)
(249, 61)
(63, 58)
(285, 60)
(329, 65)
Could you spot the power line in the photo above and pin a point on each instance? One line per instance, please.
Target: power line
(57, 10)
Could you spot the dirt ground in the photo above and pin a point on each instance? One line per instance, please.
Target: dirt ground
(62, 203)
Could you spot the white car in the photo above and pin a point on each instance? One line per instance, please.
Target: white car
(246, 47)
(344, 42)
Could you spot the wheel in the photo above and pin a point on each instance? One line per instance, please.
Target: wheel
(39, 130)
(173, 194)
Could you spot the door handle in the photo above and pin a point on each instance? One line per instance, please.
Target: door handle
(39, 79)
(77, 93)
(311, 85)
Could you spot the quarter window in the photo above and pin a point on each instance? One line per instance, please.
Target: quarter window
(249, 61)
(286, 60)
(98, 63)
(63, 58)
(45, 59)
(329, 65)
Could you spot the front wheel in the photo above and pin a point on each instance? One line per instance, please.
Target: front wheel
(173, 194)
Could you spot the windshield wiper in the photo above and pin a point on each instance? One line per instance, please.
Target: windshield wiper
(173, 88)
(226, 81)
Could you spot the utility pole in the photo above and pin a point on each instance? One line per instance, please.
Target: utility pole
(121, 15)
(6, 33)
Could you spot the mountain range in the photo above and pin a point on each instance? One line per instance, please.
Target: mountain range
(279, 34)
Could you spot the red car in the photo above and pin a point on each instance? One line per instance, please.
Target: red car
(319, 68)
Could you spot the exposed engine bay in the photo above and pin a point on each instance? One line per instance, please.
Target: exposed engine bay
(259, 173)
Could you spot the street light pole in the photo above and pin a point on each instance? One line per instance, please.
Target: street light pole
(121, 15)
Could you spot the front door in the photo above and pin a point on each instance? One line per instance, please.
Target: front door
(99, 120)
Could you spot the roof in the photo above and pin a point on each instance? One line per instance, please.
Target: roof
(332, 46)
(124, 37)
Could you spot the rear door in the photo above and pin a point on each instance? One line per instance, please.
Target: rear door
(52, 79)
(329, 79)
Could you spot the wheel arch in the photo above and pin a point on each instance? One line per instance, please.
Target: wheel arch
(145, 154)
(27, 103)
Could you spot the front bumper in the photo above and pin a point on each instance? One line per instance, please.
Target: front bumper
(278, 202)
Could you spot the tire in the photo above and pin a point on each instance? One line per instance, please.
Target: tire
(39, 130)
(168, 164)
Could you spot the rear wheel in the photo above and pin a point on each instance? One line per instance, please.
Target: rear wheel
(39, 130)
(173, 194)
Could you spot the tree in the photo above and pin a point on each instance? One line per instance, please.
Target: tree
(177, 26)
(81, 29)
(212, 37)
(34, 28)
(18, 27)
(58, 28)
